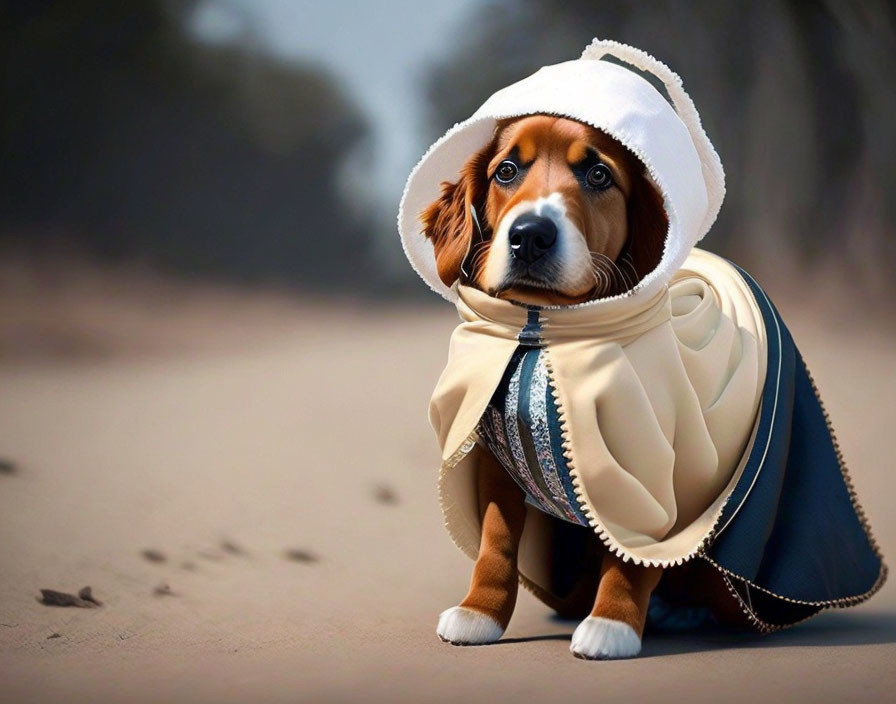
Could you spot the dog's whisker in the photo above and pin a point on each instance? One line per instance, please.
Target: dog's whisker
(630, 265)
(600, 275)
(602, 278)
(608, 273)
(620, 274)
(623, 265)
(609, 262)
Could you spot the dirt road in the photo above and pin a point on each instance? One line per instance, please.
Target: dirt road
(248, 485)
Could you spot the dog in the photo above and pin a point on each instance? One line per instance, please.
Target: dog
(626, 426)
(551, 212)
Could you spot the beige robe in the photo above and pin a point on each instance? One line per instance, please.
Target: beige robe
(658, 401)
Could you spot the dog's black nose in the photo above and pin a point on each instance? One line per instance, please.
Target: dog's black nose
(531, 236)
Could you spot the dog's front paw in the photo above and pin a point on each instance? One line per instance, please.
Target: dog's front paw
(598, 638)
(462, 626)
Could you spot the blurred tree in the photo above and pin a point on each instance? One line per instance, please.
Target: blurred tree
(797, 96)
(121, 131)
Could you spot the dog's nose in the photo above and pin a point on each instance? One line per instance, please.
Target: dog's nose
(531, 236)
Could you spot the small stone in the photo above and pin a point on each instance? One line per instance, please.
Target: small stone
(385, 494)
(300, 555)
(86, 593)
(51, 597)
(163, 589)
(152, 555)
(229, 546)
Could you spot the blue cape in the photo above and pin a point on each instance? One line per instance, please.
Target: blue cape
(792, 538)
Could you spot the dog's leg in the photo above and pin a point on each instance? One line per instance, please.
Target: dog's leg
(484, 614)
(616, 624)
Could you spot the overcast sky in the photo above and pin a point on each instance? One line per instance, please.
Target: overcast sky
(379, 49)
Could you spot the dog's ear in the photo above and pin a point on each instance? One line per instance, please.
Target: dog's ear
(647, 225)
(448, 222)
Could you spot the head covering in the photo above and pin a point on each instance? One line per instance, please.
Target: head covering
(667, 137)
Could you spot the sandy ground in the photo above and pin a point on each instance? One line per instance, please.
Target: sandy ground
(274, 457)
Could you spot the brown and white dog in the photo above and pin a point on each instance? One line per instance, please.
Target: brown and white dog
(561, 214)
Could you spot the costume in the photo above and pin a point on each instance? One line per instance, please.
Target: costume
(676, 421)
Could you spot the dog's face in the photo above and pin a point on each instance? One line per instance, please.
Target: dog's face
(563, 214)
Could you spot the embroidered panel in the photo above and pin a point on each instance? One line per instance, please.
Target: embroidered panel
(521, 428)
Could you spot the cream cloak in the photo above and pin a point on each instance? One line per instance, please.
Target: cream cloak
(658, 404)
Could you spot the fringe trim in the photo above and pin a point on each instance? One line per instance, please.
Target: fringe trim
(842, 602)
(465, 448)
(746, 609)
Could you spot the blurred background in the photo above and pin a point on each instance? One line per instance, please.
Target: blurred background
(215, 360)
(268, 140)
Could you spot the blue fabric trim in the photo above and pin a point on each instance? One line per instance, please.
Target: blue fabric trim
(525, 358)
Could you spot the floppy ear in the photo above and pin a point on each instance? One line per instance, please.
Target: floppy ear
(448, 221)
(647, 225)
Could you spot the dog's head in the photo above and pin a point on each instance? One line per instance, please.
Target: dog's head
(551, 212)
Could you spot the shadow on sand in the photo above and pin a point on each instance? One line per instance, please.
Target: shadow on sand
(832, 628)
(828, 629)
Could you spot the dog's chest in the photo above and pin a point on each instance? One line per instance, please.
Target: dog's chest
(521, 428)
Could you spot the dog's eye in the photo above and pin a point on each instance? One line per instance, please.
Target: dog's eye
(599, 177)
(506, 171)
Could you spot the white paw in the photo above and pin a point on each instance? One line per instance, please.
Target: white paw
(461, 626)
(598, 638)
